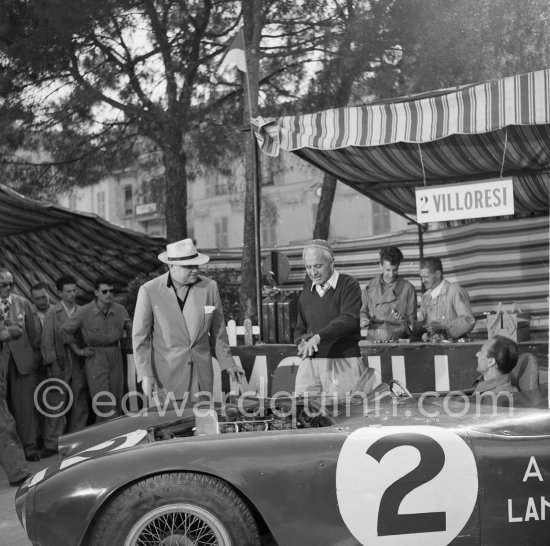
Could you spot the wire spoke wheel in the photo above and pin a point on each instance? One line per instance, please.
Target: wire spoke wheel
(179, 524)
(175, 509)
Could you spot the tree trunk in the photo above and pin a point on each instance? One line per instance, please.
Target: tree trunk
(175, 194)
(253, 22)
(322, 220)
(247, 300)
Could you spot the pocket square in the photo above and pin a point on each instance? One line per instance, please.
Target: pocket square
(209, 309)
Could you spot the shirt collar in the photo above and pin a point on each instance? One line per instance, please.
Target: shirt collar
(332, 281)
(99, 311)
(67, 310)
(437, 290)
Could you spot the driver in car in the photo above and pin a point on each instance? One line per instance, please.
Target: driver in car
(495, 360)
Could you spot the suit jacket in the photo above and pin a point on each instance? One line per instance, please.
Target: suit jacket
(164, 343)
(26, 349)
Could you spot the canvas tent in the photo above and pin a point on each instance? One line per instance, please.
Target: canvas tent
(40, 242)
(384, 150)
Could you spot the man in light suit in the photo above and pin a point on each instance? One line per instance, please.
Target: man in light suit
(178, 317)
(23, 362)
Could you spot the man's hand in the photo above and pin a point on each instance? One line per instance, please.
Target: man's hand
(148, 385)
(87, 352)
(364, 322)
(236, 373)
(308, 348)
(436, 326)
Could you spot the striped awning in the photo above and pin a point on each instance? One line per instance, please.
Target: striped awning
(384, 150)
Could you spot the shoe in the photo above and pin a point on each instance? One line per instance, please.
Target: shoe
(20, 481)
(47, 452)
(33, 457)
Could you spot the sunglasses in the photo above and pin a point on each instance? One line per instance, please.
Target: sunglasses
(6, 285)
(107, 291)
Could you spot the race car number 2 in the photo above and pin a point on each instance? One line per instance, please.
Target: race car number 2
(406, 485)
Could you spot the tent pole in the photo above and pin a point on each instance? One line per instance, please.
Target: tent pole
(420, 241)
(257, 243)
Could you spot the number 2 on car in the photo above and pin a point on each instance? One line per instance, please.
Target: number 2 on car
(400, 486)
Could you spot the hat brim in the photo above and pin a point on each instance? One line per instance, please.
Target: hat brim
(197, 260)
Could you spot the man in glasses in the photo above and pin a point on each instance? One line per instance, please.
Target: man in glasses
(23, 355)
(102, 323)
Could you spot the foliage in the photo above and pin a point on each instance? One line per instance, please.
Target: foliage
(133, 287)
(446, 44)
(229, 284)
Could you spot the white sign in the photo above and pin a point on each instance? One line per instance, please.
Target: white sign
(466, 200)
(146, 208)
(406, 485)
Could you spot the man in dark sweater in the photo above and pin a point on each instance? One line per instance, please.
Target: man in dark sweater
(327, 329)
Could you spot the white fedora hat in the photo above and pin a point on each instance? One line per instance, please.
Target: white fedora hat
(183, 253)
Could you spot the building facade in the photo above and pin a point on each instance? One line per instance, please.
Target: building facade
(291, 190)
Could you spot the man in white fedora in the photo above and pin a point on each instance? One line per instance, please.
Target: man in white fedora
(178, 316)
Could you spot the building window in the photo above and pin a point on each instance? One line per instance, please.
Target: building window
(128, 201)
(380, 219)
(216, 184)
(222, 239)
(100, 202)
(72, 201)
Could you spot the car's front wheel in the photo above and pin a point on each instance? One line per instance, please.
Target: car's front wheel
(182, 509)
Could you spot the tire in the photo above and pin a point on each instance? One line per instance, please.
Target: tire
(182, 509)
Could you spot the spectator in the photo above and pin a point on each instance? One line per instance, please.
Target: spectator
(102, 324)
(40, 300)
(23, 355)
(12, 456)
(61, 363)
(327, 330)
(495, 360)
(445, 308)
(40, 304)
(389, 301)
(178, 317)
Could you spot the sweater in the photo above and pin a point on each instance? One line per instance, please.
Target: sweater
(334, 317)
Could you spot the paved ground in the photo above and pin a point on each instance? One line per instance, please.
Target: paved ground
(11, 532)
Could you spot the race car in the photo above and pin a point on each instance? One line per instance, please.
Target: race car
(381, 469)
